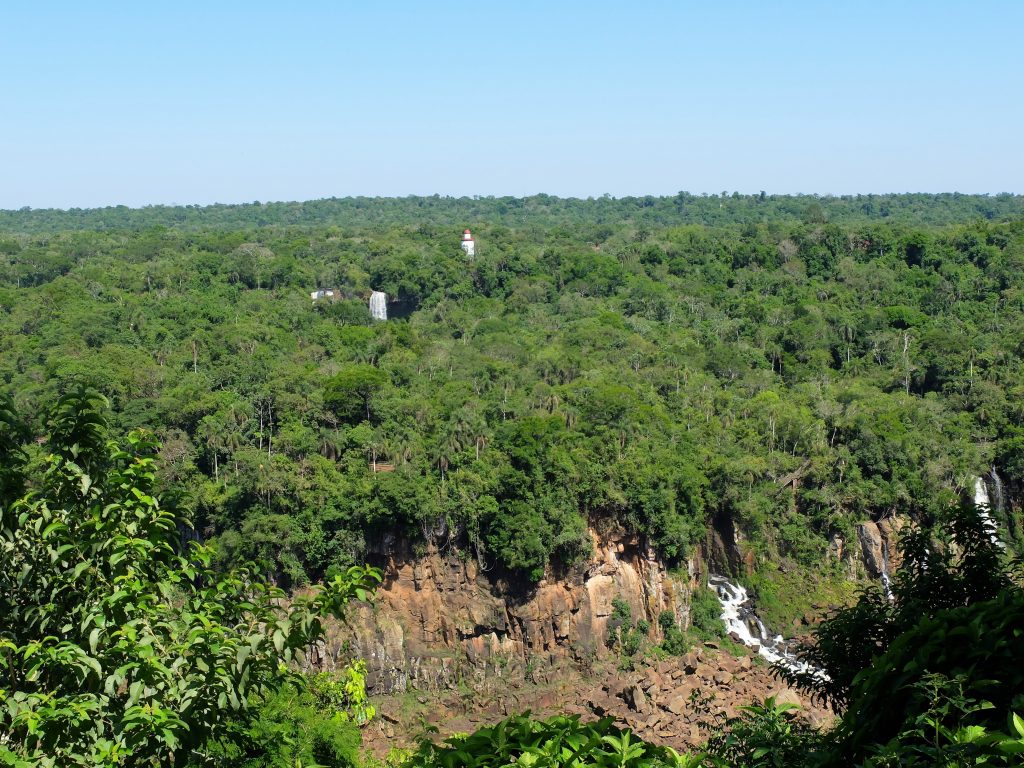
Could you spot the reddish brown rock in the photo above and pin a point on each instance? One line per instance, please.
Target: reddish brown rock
(637, 700)
(438, 619)
(678, 704)
(787, 696)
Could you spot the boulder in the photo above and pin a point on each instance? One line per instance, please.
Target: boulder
(600, 705)
(705, 672)
(677, 705)
(787, 696)
(637, 700)
(653, 680)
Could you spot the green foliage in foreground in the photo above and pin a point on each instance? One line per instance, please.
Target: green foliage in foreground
(769, 736)
(954, 580)
(944, 653)
(763, 736)
(290, 727)
(558, 742)
(117, 648)
(940, 732)
(977, 648)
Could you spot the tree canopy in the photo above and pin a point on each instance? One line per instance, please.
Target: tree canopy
(655, 363)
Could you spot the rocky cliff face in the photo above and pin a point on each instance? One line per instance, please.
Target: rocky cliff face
(438, 619)
(878, 543)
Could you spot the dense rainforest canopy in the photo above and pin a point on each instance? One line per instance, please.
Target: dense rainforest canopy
(652, 361)
(539, 210)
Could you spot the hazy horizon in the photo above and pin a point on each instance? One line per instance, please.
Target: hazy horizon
(195, 105)
(823, 196)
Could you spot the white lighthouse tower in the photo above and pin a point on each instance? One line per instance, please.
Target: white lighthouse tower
(468, 244)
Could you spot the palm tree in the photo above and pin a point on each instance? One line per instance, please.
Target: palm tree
(213, 436)
(403, 448)
(378, 445)
(440, 458)
(480, 443)
(848, 332)
(232, 442)
(329, 444)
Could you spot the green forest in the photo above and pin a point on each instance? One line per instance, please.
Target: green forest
(651, 361)
(536, 211)
(794, 365)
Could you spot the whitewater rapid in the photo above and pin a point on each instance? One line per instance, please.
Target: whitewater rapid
(741, 620)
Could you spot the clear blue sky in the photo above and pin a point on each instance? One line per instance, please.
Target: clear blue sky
(197, 102)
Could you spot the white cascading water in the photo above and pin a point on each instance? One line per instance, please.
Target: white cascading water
(997, 487)
(379, 305)
(886, 580)
(740, 619)
(983, 504)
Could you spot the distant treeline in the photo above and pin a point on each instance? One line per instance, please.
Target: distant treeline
(537, 210)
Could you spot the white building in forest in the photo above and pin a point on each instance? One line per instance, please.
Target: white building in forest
(468, 244)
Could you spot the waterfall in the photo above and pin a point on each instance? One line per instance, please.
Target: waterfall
(379, 305)
(984, 507)
(740, 619)
(997, 487)
(886, 580)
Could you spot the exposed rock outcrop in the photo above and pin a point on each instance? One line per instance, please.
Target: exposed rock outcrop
(871, 547)
(890, 528)
(727, 551)
(438, 619)
(880, 545)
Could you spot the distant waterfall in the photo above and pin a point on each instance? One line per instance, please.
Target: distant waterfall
(997, 490)
(740, 619)
(379, 305)
(886, 579)
(984, 506)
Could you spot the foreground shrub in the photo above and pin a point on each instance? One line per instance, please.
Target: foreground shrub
(116, 648)
(764, 736)
(559, 742)
(979, 648)
(940, 733)
(289, 728)
(956, 615)
(944, 568)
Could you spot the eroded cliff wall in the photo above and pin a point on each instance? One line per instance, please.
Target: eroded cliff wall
(438, 619)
